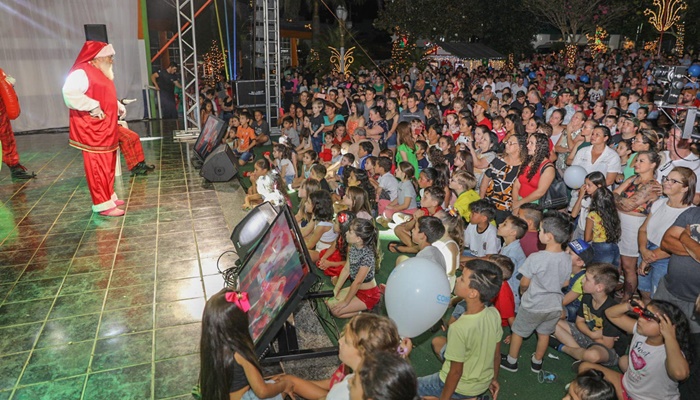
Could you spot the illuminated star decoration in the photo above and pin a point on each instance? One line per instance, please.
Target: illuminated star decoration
(595, 42)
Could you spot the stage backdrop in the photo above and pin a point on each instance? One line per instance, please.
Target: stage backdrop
(39, 41)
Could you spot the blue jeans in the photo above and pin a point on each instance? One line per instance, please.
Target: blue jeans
(659, 268)
(250, 395)
(431, 385)
(606, 253)
(572, 310)
(317, 142)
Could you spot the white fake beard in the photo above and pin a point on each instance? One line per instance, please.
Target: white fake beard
(106, 68)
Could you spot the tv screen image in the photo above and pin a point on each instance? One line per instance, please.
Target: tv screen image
(272, 276)
(210, 137)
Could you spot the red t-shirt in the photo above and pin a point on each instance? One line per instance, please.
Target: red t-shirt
(527, 186)
(485, 122)
(530, 243)
(505, 303)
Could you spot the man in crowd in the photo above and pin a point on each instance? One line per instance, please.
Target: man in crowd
(165, 82)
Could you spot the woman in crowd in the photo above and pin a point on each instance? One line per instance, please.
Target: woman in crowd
(501, 174)
(536, 173)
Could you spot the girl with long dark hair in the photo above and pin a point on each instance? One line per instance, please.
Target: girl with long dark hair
(603, 227)
(536, 174)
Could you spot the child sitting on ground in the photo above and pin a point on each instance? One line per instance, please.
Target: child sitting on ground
(230, 137)
(308, 186)
(289, 135)
(581, 255)
(318, 172)
(480, 237)
(307, 160)
(388, 186)
(473, 341)
(406, 195)
(421, 154)
(543, 275)
(590, 385)
(318, 233)
(504, 301)
(332, 260)
(432, 198)
(463, 184)
(326, 153)
(363, 261)
(245, 140)
(357, 201)
(427, 231)
(282, 162)
(364, 334)
(268, 187)
(593, 337)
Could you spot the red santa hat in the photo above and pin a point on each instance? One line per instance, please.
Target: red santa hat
(91, 50)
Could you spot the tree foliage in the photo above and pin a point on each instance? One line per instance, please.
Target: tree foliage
(504, 25)
(576, 18)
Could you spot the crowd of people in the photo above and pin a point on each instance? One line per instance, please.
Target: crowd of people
(466, 168)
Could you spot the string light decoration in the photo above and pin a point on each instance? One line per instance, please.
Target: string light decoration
(651, 45)
(595, 42)
(212, 64)
(666, 15)
(511, 63)
(628, 44)
(571, 55)
(401, 48)
(680, 39)
(335, 58)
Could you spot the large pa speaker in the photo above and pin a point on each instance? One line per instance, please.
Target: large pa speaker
(220, 165)
(96, 32)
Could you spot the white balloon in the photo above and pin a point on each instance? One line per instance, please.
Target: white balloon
(574, 176)
(417, 295)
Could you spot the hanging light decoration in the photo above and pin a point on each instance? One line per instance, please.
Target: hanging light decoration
(680, 39)
(666, 15)
(596, 43)
(571, 55)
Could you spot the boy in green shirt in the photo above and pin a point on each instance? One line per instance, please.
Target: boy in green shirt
(472, 355)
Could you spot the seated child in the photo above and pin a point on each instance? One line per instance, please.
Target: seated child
(388, 186)
(659, 357)
(357, 201)
(427, 231)
(473, 341)
(450, 244)
(318, 233)
(386, 376)
(504, 301)
(326, 153)
(307, 160)
(581, 255)
(432, 198)
(268, 187)
(406, 195)
(318, 172)
(543, 275)
(363, 335)
(593, 337)
(332, 260)
(532, 214)
(363, 293)
(284, 165)
(308, 186)
(229, 366)
(463, 184)
(246, 140)
(289, 135)
(590, 385)
(230, 137)
(480, 237)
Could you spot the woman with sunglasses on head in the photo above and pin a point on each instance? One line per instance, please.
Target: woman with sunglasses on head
(659, 356)
(679, 188)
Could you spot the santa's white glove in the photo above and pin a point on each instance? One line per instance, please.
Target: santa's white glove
(121, 110)
(97, 113)
(126, 102)
(10, 80)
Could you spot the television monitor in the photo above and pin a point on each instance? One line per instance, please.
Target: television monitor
(252, 227)
(276, 275)
(210, 137)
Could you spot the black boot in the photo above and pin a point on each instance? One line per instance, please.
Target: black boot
(19, 171)
(139, 169)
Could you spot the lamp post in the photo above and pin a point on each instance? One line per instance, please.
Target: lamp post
(342, 15)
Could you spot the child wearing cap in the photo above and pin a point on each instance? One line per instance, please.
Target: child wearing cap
(581, 255)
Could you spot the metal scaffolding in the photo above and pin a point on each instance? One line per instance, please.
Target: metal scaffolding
(267, 54)
(188, 65)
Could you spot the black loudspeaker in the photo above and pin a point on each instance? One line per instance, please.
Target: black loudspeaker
(96, 32)
(250, 93)
(220, 165)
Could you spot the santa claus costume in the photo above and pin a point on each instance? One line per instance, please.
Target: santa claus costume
(91, 96)
(7, 136)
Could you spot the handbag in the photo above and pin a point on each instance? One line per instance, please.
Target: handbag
(557, 196)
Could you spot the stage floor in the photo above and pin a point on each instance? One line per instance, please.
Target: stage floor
(110, 308)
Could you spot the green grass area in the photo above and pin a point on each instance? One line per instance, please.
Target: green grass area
(522, 384)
